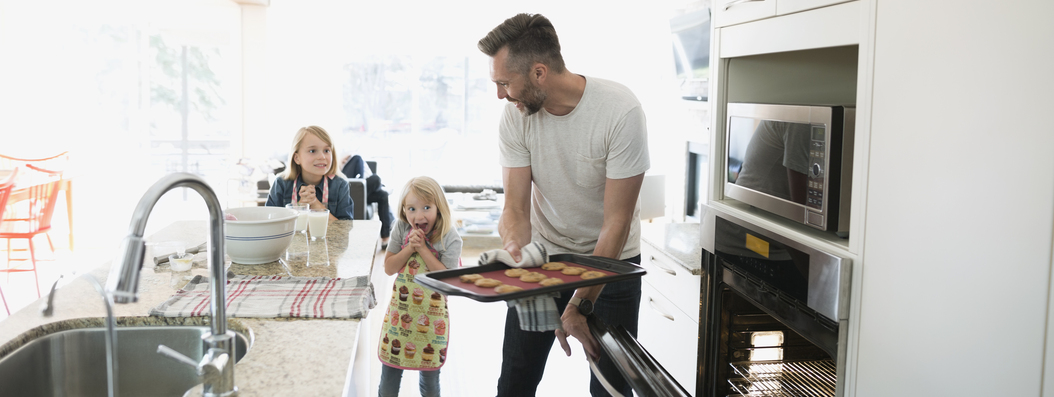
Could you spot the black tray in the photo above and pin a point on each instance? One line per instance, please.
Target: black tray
(447, 282)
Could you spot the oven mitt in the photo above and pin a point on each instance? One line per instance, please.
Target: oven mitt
(538, 313)
(531, 255)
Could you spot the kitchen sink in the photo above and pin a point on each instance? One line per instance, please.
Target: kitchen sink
(73, 362)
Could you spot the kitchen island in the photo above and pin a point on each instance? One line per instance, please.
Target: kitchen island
(302, 357)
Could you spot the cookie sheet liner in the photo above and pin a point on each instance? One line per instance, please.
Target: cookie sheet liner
(447, 282)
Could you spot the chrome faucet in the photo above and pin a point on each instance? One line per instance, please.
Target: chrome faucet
(217, 367)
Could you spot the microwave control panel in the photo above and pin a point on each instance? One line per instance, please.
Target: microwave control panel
(817, 167)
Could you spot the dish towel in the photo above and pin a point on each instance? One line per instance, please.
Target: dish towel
(276, 296)
(531, 255)
(536, 313)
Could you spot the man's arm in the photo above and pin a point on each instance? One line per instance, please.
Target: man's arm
(620, 199)
(515, 223)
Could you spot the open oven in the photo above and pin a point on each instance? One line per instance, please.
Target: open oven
(776, 314)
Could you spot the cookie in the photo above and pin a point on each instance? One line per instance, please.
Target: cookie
(554, 266)
(573, 271)
(505, 289)
(592, 274)
(515, 272)
(470, 278)
(487, 283)
(551, 281)
(533, 277)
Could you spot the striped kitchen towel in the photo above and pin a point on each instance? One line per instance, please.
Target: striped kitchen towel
(276, 296)
(538, 313)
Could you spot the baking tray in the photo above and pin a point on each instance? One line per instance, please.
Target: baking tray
(447, 281)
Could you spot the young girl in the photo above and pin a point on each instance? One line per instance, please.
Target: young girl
(309, 176)
(415, 326)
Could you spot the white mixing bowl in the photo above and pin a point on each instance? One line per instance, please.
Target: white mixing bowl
(259, 235)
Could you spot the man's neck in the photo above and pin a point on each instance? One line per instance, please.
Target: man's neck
(564, 93)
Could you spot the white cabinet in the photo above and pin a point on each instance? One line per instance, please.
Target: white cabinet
(951, 102)
(668, 324)
(732, 12)
(949, 98)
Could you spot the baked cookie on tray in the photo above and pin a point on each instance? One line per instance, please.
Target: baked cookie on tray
(470, 278)
(487, 283)
(554, 266)
(533, 277)
(551, 281)
(573, 271)
(516, 272)
(505, 289)
(592, 274)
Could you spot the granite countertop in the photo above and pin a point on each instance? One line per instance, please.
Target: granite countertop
(681, 241)
(288, 356)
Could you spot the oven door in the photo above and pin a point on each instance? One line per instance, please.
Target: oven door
(635, 364)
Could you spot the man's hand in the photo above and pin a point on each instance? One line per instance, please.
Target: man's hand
(574, 324)
(514, 250)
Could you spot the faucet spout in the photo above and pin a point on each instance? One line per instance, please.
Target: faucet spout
(123, 282)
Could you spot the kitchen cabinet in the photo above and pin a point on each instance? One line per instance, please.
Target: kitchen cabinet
(945, 94)
(668, 325)
(806, 58)
(732, 12)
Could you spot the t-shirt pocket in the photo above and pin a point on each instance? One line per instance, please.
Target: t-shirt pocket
(590, 172)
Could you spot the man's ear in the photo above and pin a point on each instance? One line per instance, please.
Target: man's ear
(539, 72)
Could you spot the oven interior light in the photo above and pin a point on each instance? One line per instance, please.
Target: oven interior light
(767, 346)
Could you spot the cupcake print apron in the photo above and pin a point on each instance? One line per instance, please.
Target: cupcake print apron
(414, 334)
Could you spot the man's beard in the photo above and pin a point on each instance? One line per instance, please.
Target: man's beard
(532, 98)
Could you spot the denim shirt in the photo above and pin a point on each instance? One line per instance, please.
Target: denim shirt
(340, 204)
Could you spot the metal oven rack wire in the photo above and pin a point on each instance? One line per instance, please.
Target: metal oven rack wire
(784, 378)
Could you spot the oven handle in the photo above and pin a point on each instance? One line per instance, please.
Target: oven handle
(655, 306)
(600, 377)
(656, 261)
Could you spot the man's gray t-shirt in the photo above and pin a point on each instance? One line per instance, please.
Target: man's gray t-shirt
(571, 156)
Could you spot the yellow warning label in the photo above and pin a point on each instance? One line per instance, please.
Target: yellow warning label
(758, 245)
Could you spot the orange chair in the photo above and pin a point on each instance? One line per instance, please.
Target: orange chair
(5, 192)
(31, 218)
(56, 163)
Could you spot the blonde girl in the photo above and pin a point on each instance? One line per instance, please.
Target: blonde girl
(414, 333)
(311, 176)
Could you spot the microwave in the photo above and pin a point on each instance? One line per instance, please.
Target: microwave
(795, 161)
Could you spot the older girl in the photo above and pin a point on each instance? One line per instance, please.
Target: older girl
(309, 176)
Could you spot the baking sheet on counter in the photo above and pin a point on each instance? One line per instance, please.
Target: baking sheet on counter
(448, 281)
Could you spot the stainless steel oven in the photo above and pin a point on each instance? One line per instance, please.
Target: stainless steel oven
(776, 314)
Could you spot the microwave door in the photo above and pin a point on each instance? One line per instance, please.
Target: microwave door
(769, 165)
(635, 364)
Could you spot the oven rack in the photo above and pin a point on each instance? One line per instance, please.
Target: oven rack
(784, 378)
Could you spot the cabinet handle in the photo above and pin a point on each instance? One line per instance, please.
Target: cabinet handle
(655, 261)
(735, 2)
(655, 307)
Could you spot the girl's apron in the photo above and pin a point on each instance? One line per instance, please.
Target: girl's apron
(415, 331)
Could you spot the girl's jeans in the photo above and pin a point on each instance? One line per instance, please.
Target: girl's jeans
(392, 377)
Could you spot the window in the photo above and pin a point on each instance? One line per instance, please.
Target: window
(429, 115)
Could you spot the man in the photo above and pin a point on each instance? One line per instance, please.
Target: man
(581, 144)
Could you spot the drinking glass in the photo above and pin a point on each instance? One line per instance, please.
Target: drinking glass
(301, 217)
(317, 223)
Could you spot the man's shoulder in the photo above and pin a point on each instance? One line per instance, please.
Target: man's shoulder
(609, 92)
(608, 86)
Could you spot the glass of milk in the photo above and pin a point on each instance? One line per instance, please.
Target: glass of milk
(317, 223)
(301, 219)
